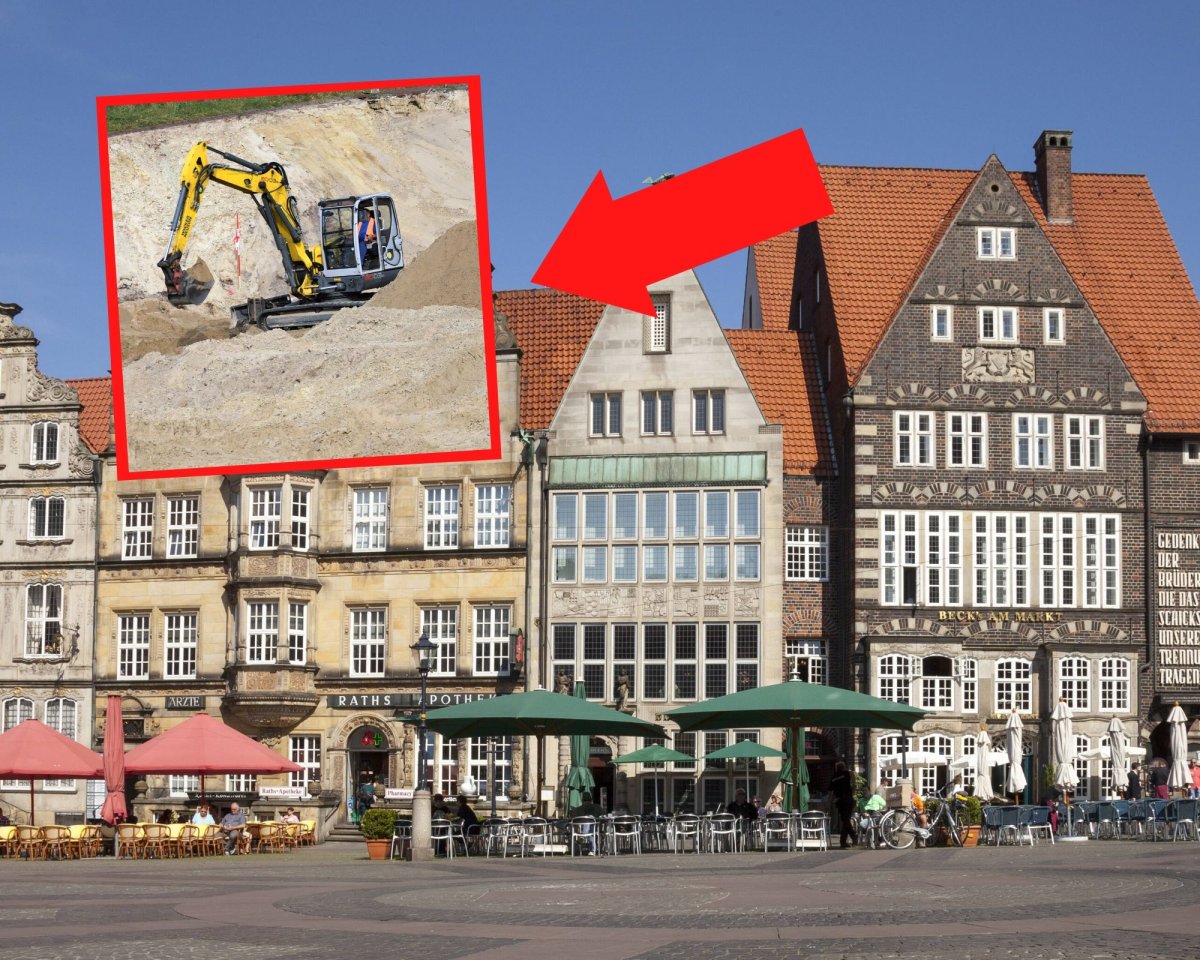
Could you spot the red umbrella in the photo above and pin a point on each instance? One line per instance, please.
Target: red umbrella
(33, 751)
(203, 744)
(114, 809)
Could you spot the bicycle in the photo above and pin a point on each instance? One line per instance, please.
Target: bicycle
(900, 830)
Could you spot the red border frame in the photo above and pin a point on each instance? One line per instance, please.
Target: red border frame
(491, 452)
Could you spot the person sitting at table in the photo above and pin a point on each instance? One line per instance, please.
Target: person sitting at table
(467, 820)
(233, 825)
(741, 808)
(203, 816)
(587, 808)
(438, 808)
(290, 817)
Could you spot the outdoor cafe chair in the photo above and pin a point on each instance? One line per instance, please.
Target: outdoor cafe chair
(449, 833)
(8, 841)
(401, 838)
(1035, 821)
(155, 837)
(1181, 817)
(583, 834)
(1108, 820)
(989, 831)
(776, 827)
(654, 832)
(685, 827)
(626, 832)
(57, 842)
(535, 832)
(723, 833)
(1008, 825)
(814, 826)
(30, 842)
(130, 842)
(1156, 819)
(1139, 810)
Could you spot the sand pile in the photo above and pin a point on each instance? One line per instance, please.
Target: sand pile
(446, 273)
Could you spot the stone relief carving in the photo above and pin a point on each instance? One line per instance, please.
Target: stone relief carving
(596, 602)
(687, 602)
(746, 601)
(987, 365)
(716, 602)
(654, 602)
(81, 463)
(42, 387)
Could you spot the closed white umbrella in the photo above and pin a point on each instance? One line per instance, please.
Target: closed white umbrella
(914, 758)
(983, 767)
(1014, 781)
(1118, 754)
(1179, 776)
(1062, 747)
(996, 758)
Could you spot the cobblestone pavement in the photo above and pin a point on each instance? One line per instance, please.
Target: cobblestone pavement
(1095, 901)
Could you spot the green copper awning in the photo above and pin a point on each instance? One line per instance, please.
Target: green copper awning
(666, 470)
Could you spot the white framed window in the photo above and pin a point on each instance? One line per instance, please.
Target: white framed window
(685, 657)
(368, 641)
(492, 653)
(16, 711)
(998, 324)
(995, 243)
(45, 443)
(654, 563)
(624, 563)
(808, 659)
(594, 653)
(181, 784)
(687, 515)
(806, 553)
(654, 516)
(1058, 555)
(943, 746)
(1052, 325)
(605, 419)
(440, 624)
(686, 561)
(716, 561)
(895, 678)
(300, 518)
(137, 528)
(595, 516)
(62, 716)
(654, 661)
(899, 543)
(1033, 441)
(43, 620)
(370, 519)
(241, 782)
(1075, 682)
(1101, 560)
(745, 656)
(306, 751)
(1014, 686)
(262, 631)
(441, 517)
(623, 660)
(708, 411)
(183, 526)
(625, 516)
(1085, 443)
(893, 745)
(493, 505)
(658, 413)
(565, 563)
(47, 518)
(180, 636)
(745, 561)
(266, 514)
(1083, 773)
(716, 660)
(501, 765)
(595, 564)
(969, 675)
(746, 510)
(297, 632)
(914, 439)
(941, 322)
(1191, 451)
(657, 329)
(966, 440)
(133, 646)
(1114, 685)
(937, 683)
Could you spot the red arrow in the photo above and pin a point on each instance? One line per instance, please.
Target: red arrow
(612, 250)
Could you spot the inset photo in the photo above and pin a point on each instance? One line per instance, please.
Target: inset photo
(298, 277)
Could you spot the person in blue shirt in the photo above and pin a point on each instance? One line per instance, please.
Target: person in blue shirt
(203, 816)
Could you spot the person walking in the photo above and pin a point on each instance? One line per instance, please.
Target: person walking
(842, 786)
(1133, 789)
(1159, 778)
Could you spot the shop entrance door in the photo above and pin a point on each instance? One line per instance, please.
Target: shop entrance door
(368, 763)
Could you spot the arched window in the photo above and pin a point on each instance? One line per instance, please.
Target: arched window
(895, 672)
(46, 518)
(1014, 686)
(892, 745)
(45, 443)
(1114, 685)
(932, 777)
(1074, 682)
(61, 716)
(16, 710)
(937, 683)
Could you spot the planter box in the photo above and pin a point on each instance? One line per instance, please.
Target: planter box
(378, 849)
(970, 836)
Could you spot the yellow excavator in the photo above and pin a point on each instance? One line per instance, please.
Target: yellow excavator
(360, 250)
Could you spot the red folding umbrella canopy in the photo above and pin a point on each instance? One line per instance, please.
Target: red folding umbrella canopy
(32, 751)
(115, 809)
(203, 744)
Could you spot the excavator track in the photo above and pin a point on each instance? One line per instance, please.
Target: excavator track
(284, 313)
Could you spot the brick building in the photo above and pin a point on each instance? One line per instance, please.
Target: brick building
(989, 346)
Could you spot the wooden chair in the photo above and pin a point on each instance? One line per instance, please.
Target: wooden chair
(187, 840)
(130, 842)
(209, 841)
(269, 837)
(75, 835)
(30, 842)
(8, 841)
(91, 841)
(156, 839)
(308, 833)
(290, 835)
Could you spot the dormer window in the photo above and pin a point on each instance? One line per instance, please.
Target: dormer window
(995, 243)
(656, 333)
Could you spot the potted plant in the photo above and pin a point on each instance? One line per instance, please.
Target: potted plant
(972, 817)
(377, 826)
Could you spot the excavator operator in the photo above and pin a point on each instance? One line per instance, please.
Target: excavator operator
(366, 236)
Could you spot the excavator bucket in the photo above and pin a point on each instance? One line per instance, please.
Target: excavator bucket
(188, 286)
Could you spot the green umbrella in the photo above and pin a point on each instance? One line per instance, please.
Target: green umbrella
(744, 750)
(536, 713)
(579, 777)
(795, 705)
(795, 794)
(654, 753)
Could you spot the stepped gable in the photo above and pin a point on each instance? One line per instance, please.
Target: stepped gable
(788, 393)
(553, 329)
(96, 418)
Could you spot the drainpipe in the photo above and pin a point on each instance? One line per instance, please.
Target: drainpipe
(1148, 555)
(97, 467)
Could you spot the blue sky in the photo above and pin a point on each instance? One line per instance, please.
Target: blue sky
(570, 88)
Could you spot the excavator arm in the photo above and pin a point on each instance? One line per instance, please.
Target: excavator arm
(267, 185)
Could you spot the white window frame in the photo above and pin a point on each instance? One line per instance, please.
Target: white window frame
(180, 644)
(440, 624)
(1005, 324)
(370, 519)
(133, 646)
(299, 518)
(658, 413)
(893, 678)
(493, 515)
(1084, 442)
(1014, 685)
(64, 720)
(442, 516)
(1075, 682)
(262, 631)
(1115, 674)
(968, 671)
(304, 749)
(809, 657)
(137, 528)
(807, 553)
(368, 641)
(1191, 452)
(43, 628)
(658, 327)
(43, 448)
(1052, 318)
(492, 641)
(937, 313)
(1033, 440)
(914, 438)
(990, 241)
(709, 412)
(604, 414)
(183, 526)
(41, 515)
(266, 517)
(297, 632)
(969, 432)
(16, 710)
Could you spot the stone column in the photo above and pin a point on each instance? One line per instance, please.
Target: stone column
(421, 846)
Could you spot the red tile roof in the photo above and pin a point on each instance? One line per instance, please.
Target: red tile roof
(775, 270)
(95, 421)
(552, 329)
(1118, 249)
(788, 393)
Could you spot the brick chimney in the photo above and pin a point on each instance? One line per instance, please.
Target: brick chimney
(1052, 154)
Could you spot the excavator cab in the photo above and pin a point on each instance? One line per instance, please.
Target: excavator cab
(362, 246)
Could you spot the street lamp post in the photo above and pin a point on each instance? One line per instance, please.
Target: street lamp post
(421, 847)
